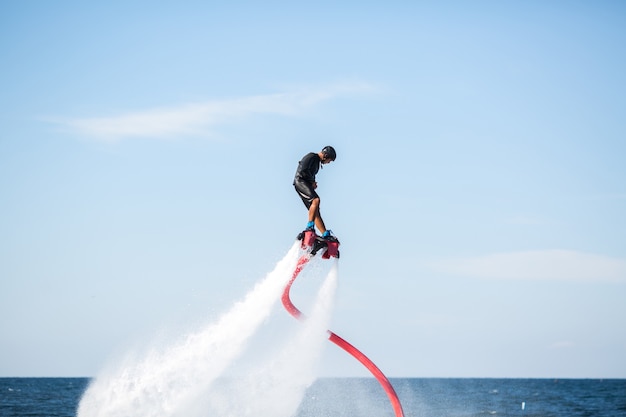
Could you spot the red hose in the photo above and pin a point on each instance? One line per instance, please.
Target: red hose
(342, 343)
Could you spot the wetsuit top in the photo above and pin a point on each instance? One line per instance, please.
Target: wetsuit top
(308, 168)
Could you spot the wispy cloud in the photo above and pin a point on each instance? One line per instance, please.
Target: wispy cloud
(525, 220)
(563, 265)
(199, 119)
(562, 344)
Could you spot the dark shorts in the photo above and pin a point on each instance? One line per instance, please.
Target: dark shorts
(306, 192)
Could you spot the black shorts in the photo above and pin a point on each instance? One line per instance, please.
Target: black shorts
(306, 192)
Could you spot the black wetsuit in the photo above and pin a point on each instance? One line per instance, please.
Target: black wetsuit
(304, 179)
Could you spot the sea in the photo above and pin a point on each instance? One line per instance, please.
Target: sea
(363, 397)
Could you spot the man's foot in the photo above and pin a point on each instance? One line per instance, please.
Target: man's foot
(328, 235)
(310, 226)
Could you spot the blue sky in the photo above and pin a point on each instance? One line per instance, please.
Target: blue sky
(147, 153)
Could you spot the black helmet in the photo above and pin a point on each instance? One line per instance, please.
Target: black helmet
(329, 151)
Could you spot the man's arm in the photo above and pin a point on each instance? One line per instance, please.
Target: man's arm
(309, 167)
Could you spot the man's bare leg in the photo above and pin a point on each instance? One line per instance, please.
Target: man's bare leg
(314, 215)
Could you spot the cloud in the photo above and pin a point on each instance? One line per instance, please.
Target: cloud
(525, 220)
(198, 119)
(563, 344)
(561, 265)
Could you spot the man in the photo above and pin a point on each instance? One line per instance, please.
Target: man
(305, 185)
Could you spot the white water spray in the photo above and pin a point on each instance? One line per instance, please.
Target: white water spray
(180, 379)
(276, 387)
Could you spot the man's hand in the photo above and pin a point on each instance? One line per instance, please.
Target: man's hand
(314, 185)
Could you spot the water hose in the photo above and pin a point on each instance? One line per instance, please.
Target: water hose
(342, 343)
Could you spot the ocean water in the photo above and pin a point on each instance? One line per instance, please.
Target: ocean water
(354, 397)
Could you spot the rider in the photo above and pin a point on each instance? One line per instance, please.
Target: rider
(305, 185)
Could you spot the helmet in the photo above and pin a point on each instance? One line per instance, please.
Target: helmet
(329, 151)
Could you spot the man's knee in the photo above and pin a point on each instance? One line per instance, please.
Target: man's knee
(315, 203)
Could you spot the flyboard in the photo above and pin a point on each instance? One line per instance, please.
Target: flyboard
(313, 244)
